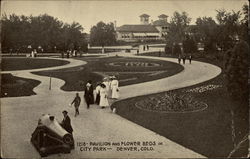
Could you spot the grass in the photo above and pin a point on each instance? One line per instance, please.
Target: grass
(207, 132)
(12, 86)
(96, 67)
(10, 64)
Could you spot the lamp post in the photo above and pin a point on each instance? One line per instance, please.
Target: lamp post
(50, 82)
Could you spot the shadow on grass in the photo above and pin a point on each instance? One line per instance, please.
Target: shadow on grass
(12, 86)
(10, 64)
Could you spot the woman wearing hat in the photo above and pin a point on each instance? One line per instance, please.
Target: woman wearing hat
(106, 82)
(97, 91)
(114, 88)
(103, 97)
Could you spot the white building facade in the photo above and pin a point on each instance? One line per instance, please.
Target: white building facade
(156, 30)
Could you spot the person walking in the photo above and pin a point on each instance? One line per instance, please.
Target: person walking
(114, 88)
(67, 54)
(106, 82)
(35, 53)
(103, 97)
(88, 94)
(183, 59)
(179, 59)
(97, 90)
(76, 102)
(66, 122)
(190, 59)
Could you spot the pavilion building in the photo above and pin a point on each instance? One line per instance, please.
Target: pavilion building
(156, 30)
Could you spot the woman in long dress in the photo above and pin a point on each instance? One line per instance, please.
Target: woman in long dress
(103, 97)
(114, 88)
(106, 82)
(97, 91)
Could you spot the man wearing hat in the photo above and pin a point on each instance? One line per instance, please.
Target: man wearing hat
(76, 102)
(66, 123)
(88, 94)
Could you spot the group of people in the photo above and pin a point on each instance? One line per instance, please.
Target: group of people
(183, 58)
(71, 53)
(32, 54)
(108, 88)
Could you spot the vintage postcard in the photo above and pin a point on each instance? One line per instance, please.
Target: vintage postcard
(124, 79)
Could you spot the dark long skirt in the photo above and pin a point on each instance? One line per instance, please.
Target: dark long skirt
(97, 100)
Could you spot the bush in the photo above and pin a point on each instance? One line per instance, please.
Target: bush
(189, 45)
(236, 71)
(176, 49)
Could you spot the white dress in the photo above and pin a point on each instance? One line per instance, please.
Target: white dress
(103, 98)
(115, 89)
(107, 84)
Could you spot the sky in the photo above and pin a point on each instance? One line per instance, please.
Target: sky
(89, 13)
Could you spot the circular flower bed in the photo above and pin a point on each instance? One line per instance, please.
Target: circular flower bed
(171, 103)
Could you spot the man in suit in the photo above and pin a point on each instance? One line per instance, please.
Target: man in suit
(66, 123)
(76, 102)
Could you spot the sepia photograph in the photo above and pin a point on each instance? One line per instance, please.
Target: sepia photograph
(124, 79)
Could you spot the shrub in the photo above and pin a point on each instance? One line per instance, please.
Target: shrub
(176, 49)
(236, 71)
(189, 45)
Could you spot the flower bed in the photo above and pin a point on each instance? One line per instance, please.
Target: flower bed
(202, 89)
(170, 102)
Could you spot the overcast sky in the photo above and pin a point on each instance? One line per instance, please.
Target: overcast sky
(88, 13)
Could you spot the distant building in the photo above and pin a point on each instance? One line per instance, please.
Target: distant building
(156, 30)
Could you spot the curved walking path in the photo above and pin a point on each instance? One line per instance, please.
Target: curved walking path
(19, 116)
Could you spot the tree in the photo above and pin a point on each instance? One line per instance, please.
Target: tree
(18, 32)
(206, 32)
(177, 28)
(236, 71)
(189, 44)
(244, 23)
(102, 34)
(236, 75)
(228, 28)
(178, 24)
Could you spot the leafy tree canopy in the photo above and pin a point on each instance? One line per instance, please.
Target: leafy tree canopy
(102, 34)
(43, 31)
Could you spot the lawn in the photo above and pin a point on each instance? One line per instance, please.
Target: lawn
(208, 131)
(128, 70)
(10, 64)
(12, 86)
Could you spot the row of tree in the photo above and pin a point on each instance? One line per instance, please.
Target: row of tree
(49, 34)
(43, 33)
(230, 26)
